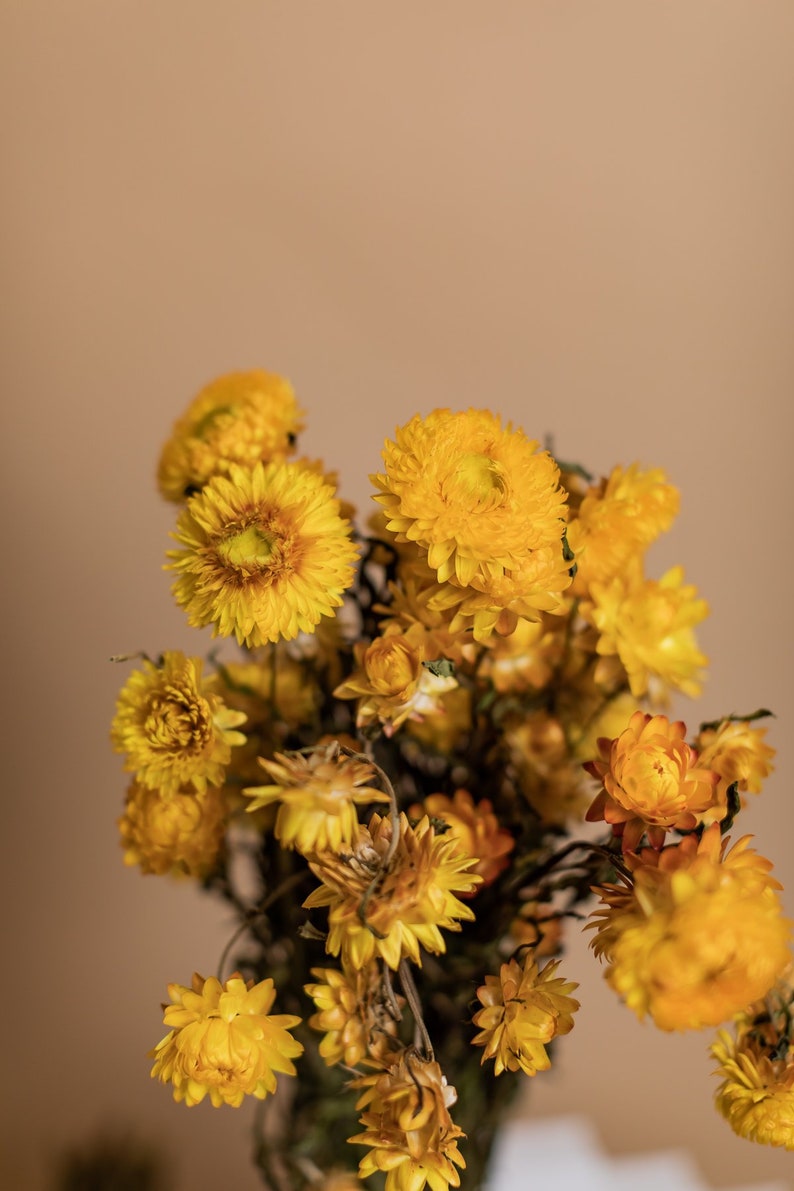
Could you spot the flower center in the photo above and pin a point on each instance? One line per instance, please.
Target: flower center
(476, 484)
(249, 548)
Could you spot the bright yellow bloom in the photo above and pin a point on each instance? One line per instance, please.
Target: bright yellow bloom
(619, 518)
(525, 659)
(409, 605)
(487, 509)
(737, 752)
(353, 1013)
(523, 1009)
(756, 1095)
(223, 1042)
(263, 553)
(172, 726)
(318, 793)
(181, 834)
(391, 681)
(407, 1123)
(244, 417)
(652, 782)
(649, 625)
(394, 910)
(697, 933)
(476, 829)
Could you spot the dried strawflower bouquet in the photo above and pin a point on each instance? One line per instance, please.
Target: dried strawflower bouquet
(389, 781)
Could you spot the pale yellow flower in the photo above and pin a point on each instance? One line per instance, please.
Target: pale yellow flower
(756, 1095)
(244, 418)
(393, 911)
(407, 1124)
(353, 1014)
(263, 554)
(524, 1008)
(181, 834)
(737, 752)
(173, 727)
(696, 934)
(223, 1042)
(318, 793)
(649, 625)
(652, 781)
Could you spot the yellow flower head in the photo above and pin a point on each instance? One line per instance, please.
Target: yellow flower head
(551, 783)
(485, 507)
(756, 1095)
(245, 418)
(651, 781)
(318, 793)
(173, 728)
(353, 1014)
(391, 681)
(649, 625)
(737, 752)
(393, 903)
(223, 1041)
(407, 1124)
(619, 518)
(697, 933)
(475, 828)
(523, 1009)
(181, 834)
(525, 659)
(263, 553)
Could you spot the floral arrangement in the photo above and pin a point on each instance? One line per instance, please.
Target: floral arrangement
(433, 745)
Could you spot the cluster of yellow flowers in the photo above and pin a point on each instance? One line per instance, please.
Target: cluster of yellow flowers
(423, 755)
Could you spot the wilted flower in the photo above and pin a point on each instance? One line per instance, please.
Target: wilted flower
(523, 1009)
(318, 792)
(223, 1042)
(407, 1124)
(392, 909)
(352, 1013)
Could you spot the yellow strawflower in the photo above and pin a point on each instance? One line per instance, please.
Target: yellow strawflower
(550, 781)
(649, 625)
(393, 907)
(353, 1014)
(652, 781)
(525, 659)
(173, 727)
(391, 682)
(263, 553)
(181, 834)
(407, 1124)
(696, 934)
(524, 1008)
(223, 1041)
(737, 752)
(318, 793)
(756, 1095)
(618, 519)
(485, 508)
(244, 417)
(474, 827)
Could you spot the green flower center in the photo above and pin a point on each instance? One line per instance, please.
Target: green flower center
(251, 547)
(477, 484)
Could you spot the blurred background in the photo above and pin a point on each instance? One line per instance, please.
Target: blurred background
(576, 214)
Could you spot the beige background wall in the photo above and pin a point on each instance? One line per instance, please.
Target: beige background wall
(578, 214)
